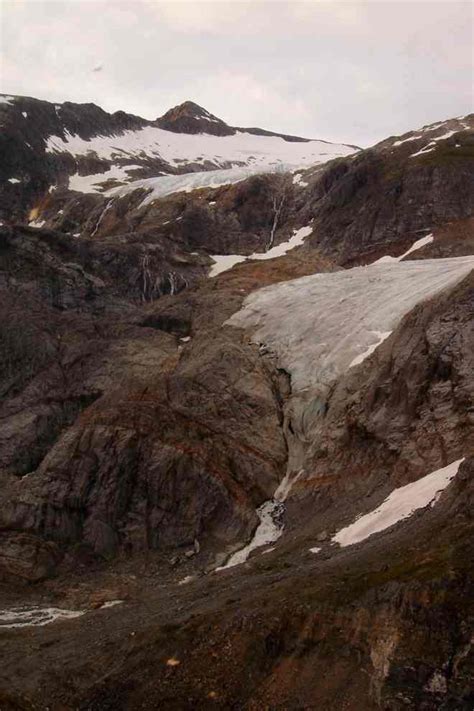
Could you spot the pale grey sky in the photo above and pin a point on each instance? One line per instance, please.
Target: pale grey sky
(346, 71)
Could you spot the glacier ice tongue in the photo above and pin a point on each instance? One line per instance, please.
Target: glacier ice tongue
(319, 325)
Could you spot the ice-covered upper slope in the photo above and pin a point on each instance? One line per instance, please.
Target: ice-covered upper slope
(234, 157)
(318, 325)
(257, 153)
(90, 150)
(186, 134)
(240, 149)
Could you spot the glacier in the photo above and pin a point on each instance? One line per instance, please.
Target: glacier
(164, 185)
(234, 157)
(318, 325)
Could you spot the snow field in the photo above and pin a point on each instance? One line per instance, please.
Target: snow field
(236, 150)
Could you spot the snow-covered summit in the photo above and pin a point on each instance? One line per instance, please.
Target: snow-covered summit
(191, 153)
(84, 147)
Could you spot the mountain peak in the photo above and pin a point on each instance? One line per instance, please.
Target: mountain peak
(190, 108)
(189, 117)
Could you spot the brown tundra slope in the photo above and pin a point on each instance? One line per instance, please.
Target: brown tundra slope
(142, 433)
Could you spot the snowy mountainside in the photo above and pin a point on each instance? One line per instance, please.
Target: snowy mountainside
(237, 157)
(240, 148)
(394, 192)
(45, 146)
(180, 150)
(423, 140)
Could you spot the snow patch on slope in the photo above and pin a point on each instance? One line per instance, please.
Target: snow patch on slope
(399, 505)
(35, 616)
(426, 149)
(432, 144)
(111, 603)
(415, 246)
(406, 140)
(298, 180)
(93, 183)
(295, 240)
(223, 262)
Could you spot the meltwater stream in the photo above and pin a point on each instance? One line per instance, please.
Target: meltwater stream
(36, 616)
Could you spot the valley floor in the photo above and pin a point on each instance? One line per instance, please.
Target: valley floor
(286, 630)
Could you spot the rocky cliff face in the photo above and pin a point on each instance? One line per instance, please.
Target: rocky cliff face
(191, 118)
(395, 192)
(28, 170)
(148, 433)
(197, 412)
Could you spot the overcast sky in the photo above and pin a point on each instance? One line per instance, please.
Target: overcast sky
(355, 72)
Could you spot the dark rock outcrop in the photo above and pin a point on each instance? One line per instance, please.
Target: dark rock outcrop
(134, 440)
(191, 118)
(387, 195)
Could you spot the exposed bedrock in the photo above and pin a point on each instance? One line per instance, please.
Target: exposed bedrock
(385, 195)
(162, 461)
